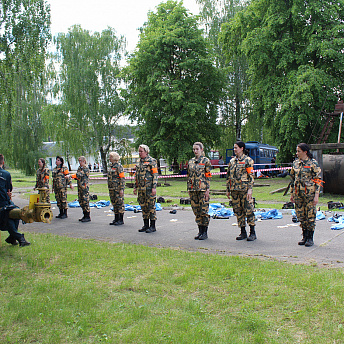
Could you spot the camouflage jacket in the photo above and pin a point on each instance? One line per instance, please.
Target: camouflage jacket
(146, 175)
(240, 174)
(42, 178)
(198, 174)
(59, 180)
(305, 175)
(116, 179)
(82, 175)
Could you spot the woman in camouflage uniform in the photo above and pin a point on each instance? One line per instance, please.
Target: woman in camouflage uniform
(42, 177)
(198, 185)
(82, 175)
(61, 179)
(239, 186)
(305, 188)
(146, 180)
(116, 185)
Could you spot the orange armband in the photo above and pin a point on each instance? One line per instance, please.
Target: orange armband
(66, 172)
(73, 176)
(208, 175)
(249, 170)
(154, 170)
(318, 181)
(121, 175)
(46, 178)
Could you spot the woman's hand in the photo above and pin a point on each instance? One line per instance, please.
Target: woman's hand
(316, 199)
(206, 196)
(135, 191)
(249, 194)
(292, 198)
(153, 192)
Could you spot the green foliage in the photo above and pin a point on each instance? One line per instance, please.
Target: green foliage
(294, 51)
(173, 85)
(24, 35)
(90, 105)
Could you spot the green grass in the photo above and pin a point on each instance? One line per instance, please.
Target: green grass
(63, 290)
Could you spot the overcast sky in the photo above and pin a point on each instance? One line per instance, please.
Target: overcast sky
(125, 16)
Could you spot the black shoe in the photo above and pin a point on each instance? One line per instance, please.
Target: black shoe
(87, 217)
(252, 236)
(204, 234)
(11, 240)
(309, 241)
(243, 234)
(120, 220)
(23, 242)
(304, 237)
(115, 220)
(59, 215)
(145, 225)
(200, 231)
(64, 215)
(152, 228)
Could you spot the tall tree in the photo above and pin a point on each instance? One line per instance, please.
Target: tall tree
(24, 35)
(234, 108)
(173, 85)
(90, 104)
(294, 50)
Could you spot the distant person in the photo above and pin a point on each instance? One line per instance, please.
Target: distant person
(222, 167)
(6, 205)
(198, 185)
(116, 185)
(239, 187)
(305, 189)
(146, 180)
(90, 166)
(82, 176)
(61, 179)
(42, 178)
(94, 167)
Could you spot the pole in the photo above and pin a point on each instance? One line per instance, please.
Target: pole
(340, 129)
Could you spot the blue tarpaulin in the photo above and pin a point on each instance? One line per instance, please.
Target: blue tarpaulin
(98, 205)
(217, 210)
(339, 220)
(137, 208)
(268, 215)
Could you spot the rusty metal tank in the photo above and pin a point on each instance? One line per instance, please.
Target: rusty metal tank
(333, 173)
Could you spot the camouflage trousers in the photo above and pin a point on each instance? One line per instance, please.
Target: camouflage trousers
(117, 201)
(305, 210)
(61, 198)
(243, 209)
(84, 199)
(200, 207)
(147, 203)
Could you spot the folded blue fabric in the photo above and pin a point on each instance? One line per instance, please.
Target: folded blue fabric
(218, 210)
(268, 215)
(137, 208)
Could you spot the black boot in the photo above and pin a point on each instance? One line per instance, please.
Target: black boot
(309, 241)
(145, 225)
(59, 215)
(64, 214)
(87, 217)
(204, 234)
(83, 216)
(22, 241)
(243, 234)
(120, 220)
(11, 240)
(252, 236)
(152, 228)
(115, 220)
(304, 237)
(200, 231)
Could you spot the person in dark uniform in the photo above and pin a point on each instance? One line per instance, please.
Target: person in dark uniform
(61, 179)
(305, 189)
(239, 187)
(42, 177)
(146, 180)
(116, 185)
(198, 185)
(82, 175)
(6, 204)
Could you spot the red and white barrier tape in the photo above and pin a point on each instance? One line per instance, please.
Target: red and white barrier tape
(214, 173)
